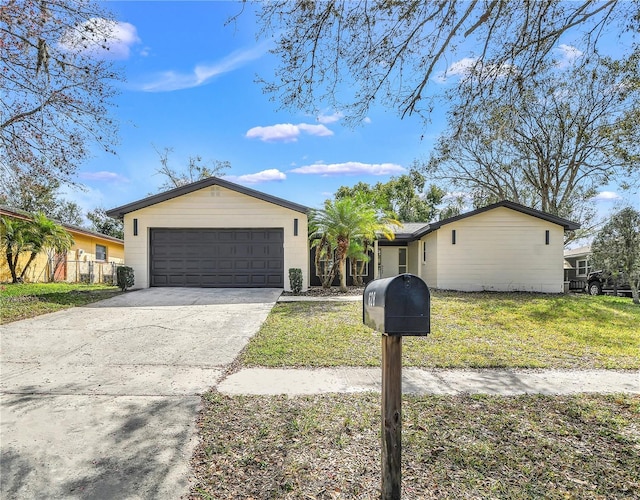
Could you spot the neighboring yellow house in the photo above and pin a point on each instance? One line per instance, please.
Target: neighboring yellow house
(93, 257)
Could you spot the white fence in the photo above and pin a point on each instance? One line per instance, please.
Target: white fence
(90, 272)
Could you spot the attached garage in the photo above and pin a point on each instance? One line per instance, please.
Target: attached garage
(217, 257)
(214, 233)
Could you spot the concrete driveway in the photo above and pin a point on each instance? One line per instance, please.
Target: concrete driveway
(101, 401)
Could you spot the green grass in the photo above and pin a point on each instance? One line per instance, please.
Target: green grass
(582, 446)
(468, 330)
(21, 301)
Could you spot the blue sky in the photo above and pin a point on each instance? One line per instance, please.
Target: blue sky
(190, 85)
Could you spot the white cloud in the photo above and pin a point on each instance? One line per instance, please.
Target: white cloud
(366, 120)
(102, 38)
(350, 168)
(272, 174)
(464, 66)
(459, 68)
(332, 118)
(103, 175)
(168, 81)
(317, 130)
(607, 196)
(567, 55)
(286, 132)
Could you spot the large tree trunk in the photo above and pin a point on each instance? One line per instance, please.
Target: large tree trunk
(341, 257)
(343, 275)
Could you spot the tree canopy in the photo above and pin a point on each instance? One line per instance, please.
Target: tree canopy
(393, 51)
(55, 90)
(405, 198)
(195, 170)
(41, 195)
(616, 248)
(103, 224)
(569, 131)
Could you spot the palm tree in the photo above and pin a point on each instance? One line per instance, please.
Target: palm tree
(42, 234)
(33, 236)
(347, 219)
(13, 242)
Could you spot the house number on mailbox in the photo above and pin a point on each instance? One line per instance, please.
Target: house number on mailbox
(372, 299)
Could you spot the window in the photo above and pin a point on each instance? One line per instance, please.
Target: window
(295, 227)
(582, 267)
(546, 237)
(453, 236)
(402, 260)
(101, 252)
(360, 264)
(424, 251)
(135, 227)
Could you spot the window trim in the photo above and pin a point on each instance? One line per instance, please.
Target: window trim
(406, 260)
(358, 262)
(105, 252)
(586, 267)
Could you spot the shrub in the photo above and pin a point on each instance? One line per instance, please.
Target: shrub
(295, 280)
(125, 277)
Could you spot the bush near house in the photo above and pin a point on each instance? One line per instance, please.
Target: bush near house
(125, 277)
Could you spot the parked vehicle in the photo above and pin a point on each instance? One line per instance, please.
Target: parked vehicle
(599, 282)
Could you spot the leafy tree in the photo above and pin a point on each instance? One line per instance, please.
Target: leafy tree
(103, 224)
(567, 133)
(55, 90)
(404, 197)
(196, 170)
(392, 50)
(41, 195)
(33, 236)
(616, 248)
(343, 221)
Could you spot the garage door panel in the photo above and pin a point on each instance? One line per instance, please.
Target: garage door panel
(217, 257)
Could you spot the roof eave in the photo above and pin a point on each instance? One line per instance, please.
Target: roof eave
(120, 212)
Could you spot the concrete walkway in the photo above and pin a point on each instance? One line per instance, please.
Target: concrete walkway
(266, 381)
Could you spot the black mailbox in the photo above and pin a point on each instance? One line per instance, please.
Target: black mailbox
(397, 306)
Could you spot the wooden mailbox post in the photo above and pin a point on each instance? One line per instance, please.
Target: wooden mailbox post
(395, 307)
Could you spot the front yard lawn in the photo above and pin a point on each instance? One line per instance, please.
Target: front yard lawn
(468, 330)
(26, 300)
(328, 447)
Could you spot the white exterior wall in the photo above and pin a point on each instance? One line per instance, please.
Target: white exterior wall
(429, 269)
(413, 264)
(215, 207)
(500, 250)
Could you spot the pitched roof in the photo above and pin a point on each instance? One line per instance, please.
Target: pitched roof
(119, 212)
(410, 231)
(23, 214)
(578, 252)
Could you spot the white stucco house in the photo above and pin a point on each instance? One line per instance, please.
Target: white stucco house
(501, 247)
(214, 233)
